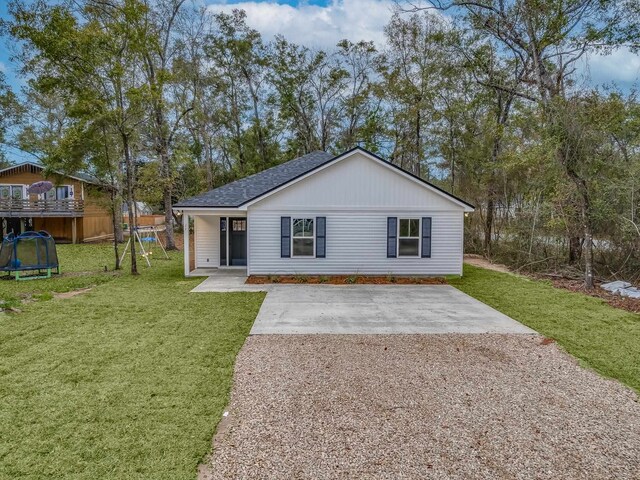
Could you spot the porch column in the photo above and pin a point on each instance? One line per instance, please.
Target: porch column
(185, 228)
(74, 230)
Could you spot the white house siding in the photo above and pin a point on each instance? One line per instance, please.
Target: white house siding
(356, 181)
(206, 241)
(356, 242)
(356, 196)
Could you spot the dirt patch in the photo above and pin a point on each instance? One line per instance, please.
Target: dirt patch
(344, 280)
(618, 301)
(422, 406)
(72, 293)
(480, 261)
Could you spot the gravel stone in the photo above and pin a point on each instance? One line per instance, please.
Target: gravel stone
(422, 406)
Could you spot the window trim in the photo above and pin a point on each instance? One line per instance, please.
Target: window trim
(418, 238)
(13, 185)
(70, 190)
(313, 255)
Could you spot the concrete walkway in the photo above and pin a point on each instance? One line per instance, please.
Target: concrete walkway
(377, 309)
(231, 280)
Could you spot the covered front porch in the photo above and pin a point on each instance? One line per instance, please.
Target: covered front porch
(219, 241)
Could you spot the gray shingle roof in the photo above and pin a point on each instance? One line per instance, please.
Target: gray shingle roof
(241, 191)
(236, 194)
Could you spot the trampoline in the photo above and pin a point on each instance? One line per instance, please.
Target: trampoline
(33, 252)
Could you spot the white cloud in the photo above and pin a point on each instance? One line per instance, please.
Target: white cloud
(324, 26)
(3, 67)
(621, 66)
(317, 26)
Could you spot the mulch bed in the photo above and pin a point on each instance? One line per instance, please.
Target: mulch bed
(618, 301)
(345, 280)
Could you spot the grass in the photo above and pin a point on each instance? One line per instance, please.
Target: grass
(130, 379)
(82, 266)
(604, 338)
(126, 381)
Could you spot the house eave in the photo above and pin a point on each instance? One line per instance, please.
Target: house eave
(200, 209)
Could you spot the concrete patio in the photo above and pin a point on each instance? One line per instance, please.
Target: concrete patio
(377, 309)
(364, 309)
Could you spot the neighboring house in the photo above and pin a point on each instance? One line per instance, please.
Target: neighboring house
(324, 214)
(71, 211)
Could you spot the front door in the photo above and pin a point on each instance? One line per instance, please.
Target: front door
(237, 241)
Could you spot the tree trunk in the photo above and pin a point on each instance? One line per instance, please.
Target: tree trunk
(130, 202)
(575, 249)
(118, 232)
(503, 107)
(488, 226)
(588, 237)
(115, 208)
(162, 150)
(588, 256)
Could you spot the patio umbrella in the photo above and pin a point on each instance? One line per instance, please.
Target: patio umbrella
(42, 186)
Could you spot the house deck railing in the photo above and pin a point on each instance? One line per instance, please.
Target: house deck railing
(10, 207)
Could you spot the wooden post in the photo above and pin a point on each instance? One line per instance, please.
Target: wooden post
(185, 228)
(74, 230)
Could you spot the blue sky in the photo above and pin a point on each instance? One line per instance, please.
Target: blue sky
(5, 64)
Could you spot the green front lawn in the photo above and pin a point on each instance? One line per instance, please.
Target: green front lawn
(602, 337)
(126, 381)
(81, 266)
(129, 379)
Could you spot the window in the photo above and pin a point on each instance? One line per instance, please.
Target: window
(58, 193)
(239, 225)
(303, 237)
(11, 191)
(409, 237)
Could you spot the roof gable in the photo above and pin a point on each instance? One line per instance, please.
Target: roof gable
(358, 181)
(390, 166)
(37, 168)
(255, 188)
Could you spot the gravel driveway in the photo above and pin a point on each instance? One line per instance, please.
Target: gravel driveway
(422, 406)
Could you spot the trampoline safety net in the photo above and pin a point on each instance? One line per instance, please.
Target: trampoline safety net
(28, 251)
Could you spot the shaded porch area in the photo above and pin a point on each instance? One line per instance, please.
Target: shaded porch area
(218, 242)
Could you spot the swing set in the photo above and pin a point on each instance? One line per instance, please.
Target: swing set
(148, 236)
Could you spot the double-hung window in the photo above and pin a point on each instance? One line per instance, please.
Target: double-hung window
(303, 237)
(408, 237)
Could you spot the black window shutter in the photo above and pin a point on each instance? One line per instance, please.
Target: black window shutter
(285, 237)
(426, 237)
(321, 237)
(392, 237)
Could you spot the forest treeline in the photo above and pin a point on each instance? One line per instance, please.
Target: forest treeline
(489, 100)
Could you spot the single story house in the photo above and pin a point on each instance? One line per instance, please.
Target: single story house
(354, 213)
